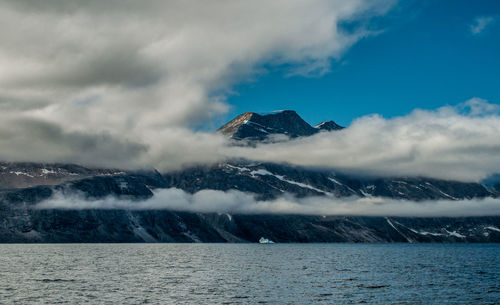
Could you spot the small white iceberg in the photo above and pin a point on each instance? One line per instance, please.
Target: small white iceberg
(263, 240)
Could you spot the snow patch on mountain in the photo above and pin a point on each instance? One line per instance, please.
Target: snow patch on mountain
(264, 172)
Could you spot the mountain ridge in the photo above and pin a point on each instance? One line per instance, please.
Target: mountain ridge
(24, 185)
(255, 126)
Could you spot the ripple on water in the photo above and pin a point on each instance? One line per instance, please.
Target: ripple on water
(249, 274)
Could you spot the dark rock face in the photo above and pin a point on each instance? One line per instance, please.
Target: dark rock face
(254, 126)
(55, 226)
(21, 221)
(134, 185)
(269, 180)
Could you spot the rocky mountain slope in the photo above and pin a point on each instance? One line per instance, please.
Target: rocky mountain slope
(258, 127)
(26, 174)
(24, 185)
(328, 126)
(24, 224)
(269, 180)
(20, 221)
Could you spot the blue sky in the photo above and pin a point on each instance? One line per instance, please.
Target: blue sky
(429, 54)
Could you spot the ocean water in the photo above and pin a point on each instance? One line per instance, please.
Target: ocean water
(250, 274)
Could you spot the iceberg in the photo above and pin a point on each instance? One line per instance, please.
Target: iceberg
(263, 240)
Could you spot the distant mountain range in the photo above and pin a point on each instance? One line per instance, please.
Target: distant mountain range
(23, 185)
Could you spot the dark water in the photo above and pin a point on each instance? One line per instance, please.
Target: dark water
(250, 274)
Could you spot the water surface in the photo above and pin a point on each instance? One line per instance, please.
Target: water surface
(250, 273)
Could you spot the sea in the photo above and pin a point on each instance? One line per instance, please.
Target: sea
(250, 274)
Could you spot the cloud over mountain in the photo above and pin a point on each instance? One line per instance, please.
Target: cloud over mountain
(133, 74)
(120, 83)
(460, 142)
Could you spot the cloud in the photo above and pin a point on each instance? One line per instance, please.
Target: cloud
(457, 143)
(134, 70)
(480, 24)
(39, 140)
(121, 84)
(236, 202)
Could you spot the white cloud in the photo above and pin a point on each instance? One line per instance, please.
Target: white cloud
(458, 143)
(480, 24)
(119, 84)
(139, 72)
(235, 202)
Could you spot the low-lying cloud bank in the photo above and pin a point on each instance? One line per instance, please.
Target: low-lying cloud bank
(459, 142)
(236, 202)
(455, 142)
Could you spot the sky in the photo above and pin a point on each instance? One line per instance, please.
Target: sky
(428, 54)
(141, 84)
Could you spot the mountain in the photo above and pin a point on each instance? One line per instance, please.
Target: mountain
(328, 126)
(270, 180)
(28, 225)
(21, 221)
(27, 174)
(24, 185)
(257, 127)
